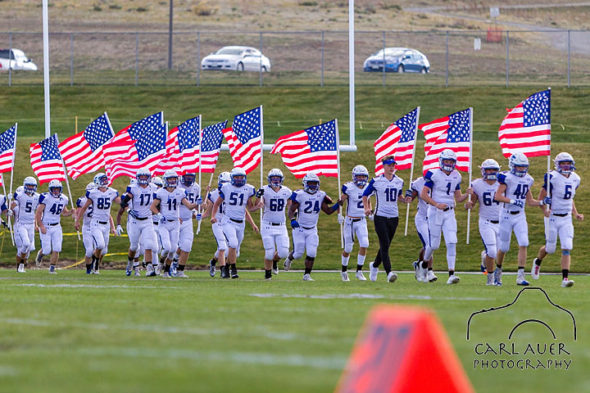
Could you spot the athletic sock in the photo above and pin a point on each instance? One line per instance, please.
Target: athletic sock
(345, 261)
(538, 261)
(212, 262)
(344, 268)
(565, 273)
(307, 270)
(451, 272)
(267, 273)
(181, 267)
(360, 260)
(88, 268)
(275, 265)
(424, 265)
(359, 268)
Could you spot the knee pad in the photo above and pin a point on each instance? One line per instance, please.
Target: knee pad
(104, 251)
(565, 252)
(347, 247)
(550, 247)
(434, 242)
(233, 243)
(452, 249)
(269, 253)
(283, 252)
(185, 245)
(491, 251)
(88, 253)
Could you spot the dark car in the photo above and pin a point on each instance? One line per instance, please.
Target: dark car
(397, 60)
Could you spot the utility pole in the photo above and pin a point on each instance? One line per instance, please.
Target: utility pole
(170, 28)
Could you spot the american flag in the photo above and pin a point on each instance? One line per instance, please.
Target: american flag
(46, 160)
(450, 132)
(83, 152)
(398, 140)
(212, 138)
(244, 139)
(7, 146)
(527, 127)
(140, 145)
(314, 149)
(182, 148)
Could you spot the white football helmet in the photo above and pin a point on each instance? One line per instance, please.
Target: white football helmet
(311, 183)
(143, 176)
(564, 163)
(223, 178)
(360, 175)
(238, 177)
(157, 180)
(55, 188)
(490, 169)
(275, 177)
(20, 189)
(170, 178)
(101, 180)
(30, 185)
(520, 160)
(188, 179)
(132, 182)
(90, 187)
(447, 155)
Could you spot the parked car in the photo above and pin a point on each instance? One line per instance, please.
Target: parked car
(397, 60)
(15, 59)
(236, 58)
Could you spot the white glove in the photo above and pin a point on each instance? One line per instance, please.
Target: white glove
(9, 213)
(340, 219)
(119, 230)
(199, 201)
(371, 217)
(199, 216)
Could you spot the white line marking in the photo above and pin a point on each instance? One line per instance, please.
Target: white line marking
(366, 296)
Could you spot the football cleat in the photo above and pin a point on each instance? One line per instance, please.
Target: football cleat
(498, 276)
(307, 277)
(211, 268)
(482, 267)
(149, 270)
(39, 258)
(431, 277)
(181, 274)
(136, 271)
(490, 280)
(128, 269)
(344, 276)
(453, 280)
(520, 280)
(224, 271)
(373, 271)
(566, 283)
(360, 276)
(275, 271)
(52, 269)
(391, 277)
(287, 264)
(21, 268)
(158, 269)
(535, 269)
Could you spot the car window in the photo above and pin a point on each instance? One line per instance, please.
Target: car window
(229, 51)
(4, 53)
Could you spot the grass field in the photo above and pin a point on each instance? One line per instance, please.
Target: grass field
(71, 332)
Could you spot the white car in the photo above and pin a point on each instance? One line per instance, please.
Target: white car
(15, 59)
(236, 58)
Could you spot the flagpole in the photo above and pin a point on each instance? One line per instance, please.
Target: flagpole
(200, 153)
(412, 167)
(204, 199)
(7, 216)
(470, 159)
(549, 156)
(67, 184)
(12, 178)
(339, 186)
(261, 154)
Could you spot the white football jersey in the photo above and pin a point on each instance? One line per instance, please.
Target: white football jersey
(213, 195)
(3, 203)
(88, 214)
(27, 205)
(102, 203)
(192, 193)
(443, 186)
(417, 186)
(488, 207)
(387, 193)
(53, 207)
(236, 199)
(516, 188)
(275, 204)
(354, 203)
(170, 202)
(563, 190)
(142, 200)
(309, 207)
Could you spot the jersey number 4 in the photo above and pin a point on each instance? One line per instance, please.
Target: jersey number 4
(56, 208)
(310, 207)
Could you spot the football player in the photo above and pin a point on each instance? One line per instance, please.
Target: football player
(355, 223)
(25, 203)
(388, 190)
(442, 189)
(558, 220)
(306, 204)
(514, 191)
(484, 190)
(86, 231)
(52, 205)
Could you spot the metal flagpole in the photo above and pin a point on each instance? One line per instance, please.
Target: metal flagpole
(412, 167)
(470, 159)
(9, 197)
(8, 217)
(339, 186)
(200, 207)
(68, 184)
(261, 154)
(549, 156)
(204, 199)
(46, 69)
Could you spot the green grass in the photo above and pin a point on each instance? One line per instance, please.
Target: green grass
(72, 332)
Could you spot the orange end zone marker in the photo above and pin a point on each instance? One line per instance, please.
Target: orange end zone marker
(403, 349)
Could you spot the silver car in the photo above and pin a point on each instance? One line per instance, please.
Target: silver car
(236, 58)
(397, 60)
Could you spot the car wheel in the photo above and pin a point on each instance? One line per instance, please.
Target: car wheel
(400, 69)
(423, 70)
(240, 67)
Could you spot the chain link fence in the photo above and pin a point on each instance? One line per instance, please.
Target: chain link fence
(309, 58)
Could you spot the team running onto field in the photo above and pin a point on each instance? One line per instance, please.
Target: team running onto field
(161, 213)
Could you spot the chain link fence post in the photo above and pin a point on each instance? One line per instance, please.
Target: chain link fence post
(260, 63)
(198, 58)
(136, 58)
(71, 59)
(322, 70)
(10, 59)
(569, 52)
(447, 60)
(383, 76)
(507, 57)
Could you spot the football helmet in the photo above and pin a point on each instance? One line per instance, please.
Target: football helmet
(55, 188)
(238, 177)
(447, 155)
(275, 177)
(518, 160)
(188, 179)
(223, 178)
(157, 180)
(101, 180)
(143, 177)
(170, 178)
(311, 183)
(90, 187)
(30, 185)
(564, 163)
(360, 175)
(490, 169)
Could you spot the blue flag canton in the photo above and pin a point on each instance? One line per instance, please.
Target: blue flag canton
(537, 109)
(322, 137)
(98, 132)
(213, 136)
(7, 139)
(247, 125)
(459, 127)
(407, 125)
(49, 150)
(151, 142)
(188, 134)
(146, 124)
